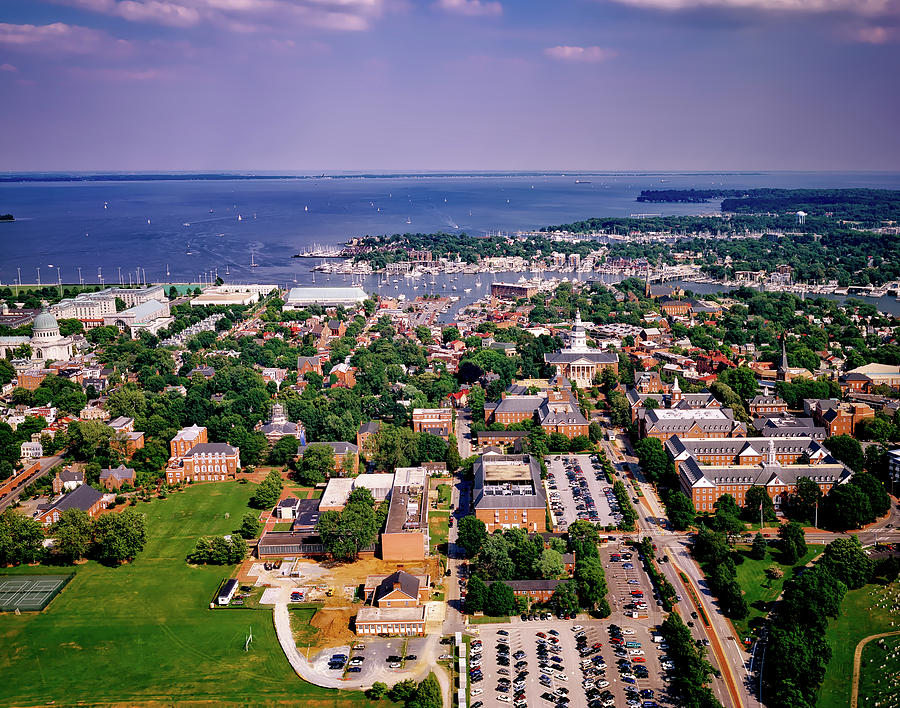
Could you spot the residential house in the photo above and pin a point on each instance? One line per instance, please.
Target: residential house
(67, 479)
(113, 479)
(83, 497)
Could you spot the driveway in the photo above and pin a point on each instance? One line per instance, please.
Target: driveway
(317, 672)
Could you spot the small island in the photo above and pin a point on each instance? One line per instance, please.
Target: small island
(7, 217)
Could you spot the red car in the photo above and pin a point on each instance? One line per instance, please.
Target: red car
(597, 645)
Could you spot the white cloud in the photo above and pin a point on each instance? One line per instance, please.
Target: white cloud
(9, 68)
(861, 7)
(241, 15)
(59, 38)
(471, 8)
(874, 34)
(588, 55)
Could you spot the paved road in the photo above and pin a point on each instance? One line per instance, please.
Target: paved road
(425, 664)
(47, 463)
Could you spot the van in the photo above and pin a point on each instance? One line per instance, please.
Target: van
(657, 638)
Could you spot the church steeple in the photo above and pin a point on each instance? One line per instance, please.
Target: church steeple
(578, 342)
(783, 366)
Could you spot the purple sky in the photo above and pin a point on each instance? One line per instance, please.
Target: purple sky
(308, 85)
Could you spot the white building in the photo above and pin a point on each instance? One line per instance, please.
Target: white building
(150, 316)
(45, 341)
(298, 298)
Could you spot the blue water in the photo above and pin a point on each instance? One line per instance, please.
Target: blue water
(66, 225)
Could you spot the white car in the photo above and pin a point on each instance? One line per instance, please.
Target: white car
(587, 684)
(561, 676)
(636, 652)
(628, 630)
(444, 657)
(668, 665)
(602, 684)
(503, 697)
(477, 691)
(577, 628)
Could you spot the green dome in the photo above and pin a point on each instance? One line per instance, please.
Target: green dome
(45, 322)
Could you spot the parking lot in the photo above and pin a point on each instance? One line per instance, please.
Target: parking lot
(553, 663)
(579, 490)
(375, 664)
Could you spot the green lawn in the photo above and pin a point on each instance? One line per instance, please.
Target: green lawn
(443, 491)
(860, 617)
(439, 529)
(485, 619)
(759, 591)
(143, 632)
(879, 677)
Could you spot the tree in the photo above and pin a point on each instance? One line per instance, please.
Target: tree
(728, 398)
(268, 491)
(120, 537)
(793, 542)
(450, 334)
(250, 526)
(741, 380)
(874, 491)
(500, 600)
(590, 582)
(655, 463)
(316, 465)
(471, 535)
(845, 507)
(21, 538)
(680, 510)
(846, 560)
(755, 497)
(759, 547)
(619, 410)
(595, 432)
(87, 438)
(377, 691)
(550, 565)
(73, 534)
(709, 546)
(453, 458)
(428, 694)
(846, 449)
(802, 504)
(580, 442)
(284, 450)
(728, 516)
(494, 561)
(565, 598)
(476, 593)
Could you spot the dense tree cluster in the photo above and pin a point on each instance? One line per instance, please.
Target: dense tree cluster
(218, 550)
(711, 550)
(690, 679)
(345, 533)
(268, 492)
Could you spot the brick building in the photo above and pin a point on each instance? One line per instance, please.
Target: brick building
(508, 493)
(437, 421)
(533, 590)
(761, 405)
(405, 537)
(187, 438)
(395, 605)
(82, 497)
(113, 479)
(708, 468)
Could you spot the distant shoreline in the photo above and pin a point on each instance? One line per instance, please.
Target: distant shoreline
(20, 177)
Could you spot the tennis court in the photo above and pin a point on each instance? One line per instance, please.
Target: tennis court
(29, 593)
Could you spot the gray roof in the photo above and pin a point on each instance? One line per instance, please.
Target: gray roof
(313, 360)
(371, 427)
(508, 496)
(83, 497)
(519, 404)
(120, 472)
(208, 448)
(339, 447)
(567, 357)
(409, 584)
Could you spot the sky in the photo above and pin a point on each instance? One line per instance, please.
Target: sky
(449, 85)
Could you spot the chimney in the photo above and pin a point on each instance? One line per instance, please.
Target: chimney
(396, 586)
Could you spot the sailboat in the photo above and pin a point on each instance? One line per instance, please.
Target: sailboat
(253, 263)
(408, 220)
(306, 208)
(240, 218)
(167, 270)
(226, 270)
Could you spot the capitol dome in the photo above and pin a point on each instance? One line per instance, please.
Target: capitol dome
(45, 326)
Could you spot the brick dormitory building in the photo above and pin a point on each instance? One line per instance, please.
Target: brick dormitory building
(395, 605)
(196, 460)
(710, 467)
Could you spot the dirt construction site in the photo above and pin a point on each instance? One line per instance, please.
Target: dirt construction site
(335, 586)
